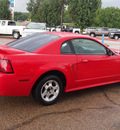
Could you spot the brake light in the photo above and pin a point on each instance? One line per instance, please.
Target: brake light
(5, 66)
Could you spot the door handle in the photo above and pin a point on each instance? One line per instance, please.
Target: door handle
(84, 60)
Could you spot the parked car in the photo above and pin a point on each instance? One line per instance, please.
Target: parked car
(99, 31)
(8, 27)
(66, 29)
(115, 34)
(85, 31)
(113, 29)
(57, 29)
(33, 27)
(47, 64)
(72, 29)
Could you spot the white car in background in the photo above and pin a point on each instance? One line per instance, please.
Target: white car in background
(33, 27)
(8, 27)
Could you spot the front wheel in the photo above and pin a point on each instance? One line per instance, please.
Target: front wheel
(48, 90)
(116, 37)
(16, 35)
(92, 34)
(77, 32)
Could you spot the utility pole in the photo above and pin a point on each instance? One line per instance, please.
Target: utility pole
(62, 9)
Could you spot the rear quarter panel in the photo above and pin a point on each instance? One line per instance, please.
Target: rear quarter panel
(31, 67)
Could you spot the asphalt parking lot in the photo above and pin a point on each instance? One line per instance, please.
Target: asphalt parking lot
(90, 109)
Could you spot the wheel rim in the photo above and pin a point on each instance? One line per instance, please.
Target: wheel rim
(15, 35)
(116, 37)
(50, 90)
(92, 35)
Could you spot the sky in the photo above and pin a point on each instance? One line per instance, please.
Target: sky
(20, 5)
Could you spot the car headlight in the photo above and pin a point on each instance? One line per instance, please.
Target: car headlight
(112, 34)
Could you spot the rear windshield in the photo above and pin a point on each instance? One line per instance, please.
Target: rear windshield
(33, 42)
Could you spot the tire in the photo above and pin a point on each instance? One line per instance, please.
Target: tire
(76, 32)
(92, 34)
(16, 35)
(116, 37)
(48, 90)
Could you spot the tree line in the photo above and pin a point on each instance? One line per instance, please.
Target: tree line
(83, 13)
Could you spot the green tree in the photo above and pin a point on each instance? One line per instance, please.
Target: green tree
(67, 18)
(21, 16)
(83, 12)
(32, 7)
(5, 12)
(108, 17)
(48, 11)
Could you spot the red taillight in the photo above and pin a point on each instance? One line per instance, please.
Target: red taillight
(5, 66)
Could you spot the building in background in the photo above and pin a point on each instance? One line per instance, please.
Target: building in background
(12, 5)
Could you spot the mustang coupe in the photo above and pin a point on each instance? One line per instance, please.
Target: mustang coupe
(46, 64)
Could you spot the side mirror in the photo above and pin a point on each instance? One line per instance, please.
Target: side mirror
(110, 53)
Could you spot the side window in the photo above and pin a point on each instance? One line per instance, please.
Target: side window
(105, 29)
(65, 48)
(88, 47)
(3, 23)
(11, 23)
(99, 29)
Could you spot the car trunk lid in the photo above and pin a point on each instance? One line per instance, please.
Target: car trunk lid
(5, 50)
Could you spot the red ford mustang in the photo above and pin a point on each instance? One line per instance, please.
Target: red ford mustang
(47, 64)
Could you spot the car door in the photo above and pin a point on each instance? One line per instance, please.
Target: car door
(95, 66)
(70, 61)
(105, 31)
(98, 31)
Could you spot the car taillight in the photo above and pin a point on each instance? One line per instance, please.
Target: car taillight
(5, 66)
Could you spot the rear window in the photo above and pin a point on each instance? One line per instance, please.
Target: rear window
(33, 42)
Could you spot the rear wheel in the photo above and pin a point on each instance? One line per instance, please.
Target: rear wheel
(48, 90)
(16, 35)
(92, 34)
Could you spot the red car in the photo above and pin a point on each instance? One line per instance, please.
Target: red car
(47, 64)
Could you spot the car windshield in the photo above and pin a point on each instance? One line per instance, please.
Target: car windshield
(41, 26)
(33, 42)
(113, 29)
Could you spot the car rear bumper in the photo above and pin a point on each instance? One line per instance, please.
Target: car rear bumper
(11, 85)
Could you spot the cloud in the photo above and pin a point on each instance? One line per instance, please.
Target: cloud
(20, 5)
(109, 3)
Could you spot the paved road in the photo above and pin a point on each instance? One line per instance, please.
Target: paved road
(91, 109)
(111, 43)
(5, 39)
